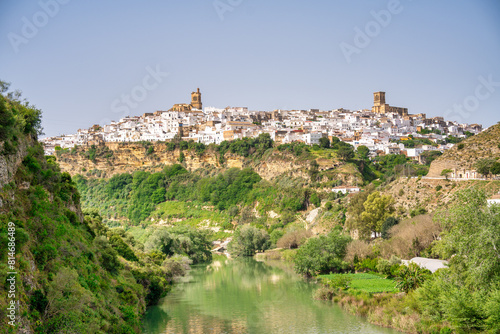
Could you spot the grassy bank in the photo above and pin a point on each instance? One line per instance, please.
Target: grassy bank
(377, 299)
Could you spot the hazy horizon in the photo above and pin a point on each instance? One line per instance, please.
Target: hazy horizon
(78, 61)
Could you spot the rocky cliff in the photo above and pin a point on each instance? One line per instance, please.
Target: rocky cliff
(109, 159)
(10, 162)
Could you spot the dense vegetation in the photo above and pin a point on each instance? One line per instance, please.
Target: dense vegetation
(17, 119)
(74, 273)
(135, 197)
(461, 298)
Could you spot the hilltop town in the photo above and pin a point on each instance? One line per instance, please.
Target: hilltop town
(384, 129)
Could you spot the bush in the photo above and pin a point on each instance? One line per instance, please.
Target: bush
(359, 249)
(177, 265)
(314, 199)
(417, 212)
(108, 256)
(38, 301)
(122, 248)
(338, 282)
(411, 277)
(293, 239)
(276, 235)
(366, 265)
(387, 225)
(439, 187)
(247, 240)
(404, 235)
(390, 267)
(322, 255)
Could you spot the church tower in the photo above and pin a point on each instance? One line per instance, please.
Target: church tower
(379, 98)
(196, 100)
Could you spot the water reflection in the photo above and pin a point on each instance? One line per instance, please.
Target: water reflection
(245, 296)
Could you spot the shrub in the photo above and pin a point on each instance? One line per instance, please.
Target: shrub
(358, 249)
(439, 187)
(323, 254)
(389, 267)
(314, 199)
(247, 240)
(293, 239)
(411, 277)
(338, 282)
(276, 235)
(417, 211)
(122, 248)
(38, 301)
(324, 293)
(387, 225)
(366, 265)
(177, 265)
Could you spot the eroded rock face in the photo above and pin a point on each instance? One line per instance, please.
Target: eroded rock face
(10, 163)
(116, 158)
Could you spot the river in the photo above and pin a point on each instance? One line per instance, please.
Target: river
(246, 296)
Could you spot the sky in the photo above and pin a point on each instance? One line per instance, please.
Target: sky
(90, 62)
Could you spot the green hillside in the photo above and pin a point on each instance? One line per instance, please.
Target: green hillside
(74, 275)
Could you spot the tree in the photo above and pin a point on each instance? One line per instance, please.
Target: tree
(445, 173)
(345, 152)
(429, 156)
(356, 208)
(363, 152)
(484, 166)
(181, 157)
(473, 237)
(495, 169)
(322, 255)
(247, 240)
(377, 209)
(324, 142)
(466, 295)
(122, 248)
(386, 226)
(313, 170)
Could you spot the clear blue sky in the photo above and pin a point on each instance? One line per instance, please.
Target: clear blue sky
(428, 56)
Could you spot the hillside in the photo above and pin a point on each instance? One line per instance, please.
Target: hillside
(463, 157)
(74, 275)
(431, 194)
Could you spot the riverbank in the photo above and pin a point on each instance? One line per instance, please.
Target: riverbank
(396, 310)
(242, 295)
(371, 296)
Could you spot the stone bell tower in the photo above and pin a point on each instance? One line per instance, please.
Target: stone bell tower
(196, 100)
(379, 98)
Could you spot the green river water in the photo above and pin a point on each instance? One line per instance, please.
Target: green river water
(247, 296)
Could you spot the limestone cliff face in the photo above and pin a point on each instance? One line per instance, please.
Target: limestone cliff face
(462, 159)
(114, 158)
(9, 163)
